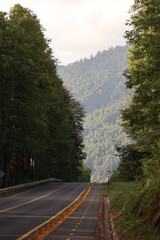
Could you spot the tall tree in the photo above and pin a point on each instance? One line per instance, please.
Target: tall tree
(66, 126)
(23, 71)
(142, 116)
(36, 118)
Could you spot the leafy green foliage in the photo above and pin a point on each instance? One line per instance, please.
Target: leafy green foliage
(130, 165)
(142, 117)
(141, 216)
(86, 173)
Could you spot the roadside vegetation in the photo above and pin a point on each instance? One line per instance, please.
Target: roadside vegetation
(132, 208)
(139, 204)
(120, 191)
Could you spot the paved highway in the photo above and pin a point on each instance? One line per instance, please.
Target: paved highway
(81, 225)
(23, 212)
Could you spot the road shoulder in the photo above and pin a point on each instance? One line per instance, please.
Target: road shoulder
(104, 228)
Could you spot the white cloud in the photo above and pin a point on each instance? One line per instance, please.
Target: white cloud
(79, 28)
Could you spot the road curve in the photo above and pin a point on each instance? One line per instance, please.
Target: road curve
(23, 212)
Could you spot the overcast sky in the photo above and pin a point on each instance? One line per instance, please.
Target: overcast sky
(79, 28)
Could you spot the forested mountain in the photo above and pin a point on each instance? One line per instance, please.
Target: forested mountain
(99, 85)
(102, 132)
(97, 81)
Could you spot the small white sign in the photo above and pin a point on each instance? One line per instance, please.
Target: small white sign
(1, 174)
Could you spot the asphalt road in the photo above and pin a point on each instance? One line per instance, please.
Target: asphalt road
(23, 212)
(81, 225)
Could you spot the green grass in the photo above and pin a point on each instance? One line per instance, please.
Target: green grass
(123, 195)
(120, 191)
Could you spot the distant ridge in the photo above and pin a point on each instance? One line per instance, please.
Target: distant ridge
(98, 84)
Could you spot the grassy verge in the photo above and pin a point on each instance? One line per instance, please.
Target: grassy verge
(120, 192)
(123, 196)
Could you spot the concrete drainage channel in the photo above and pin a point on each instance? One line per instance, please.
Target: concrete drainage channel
(105, 225)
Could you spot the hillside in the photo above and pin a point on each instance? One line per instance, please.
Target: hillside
(102, 130)
(99, 85)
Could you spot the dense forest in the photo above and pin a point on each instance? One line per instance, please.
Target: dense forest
(102, 133)
(41, 123)
(99, 85)
(97, 81)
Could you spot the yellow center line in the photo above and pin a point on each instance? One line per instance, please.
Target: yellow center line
(50, 219)
(30, 201)
(78, 223)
